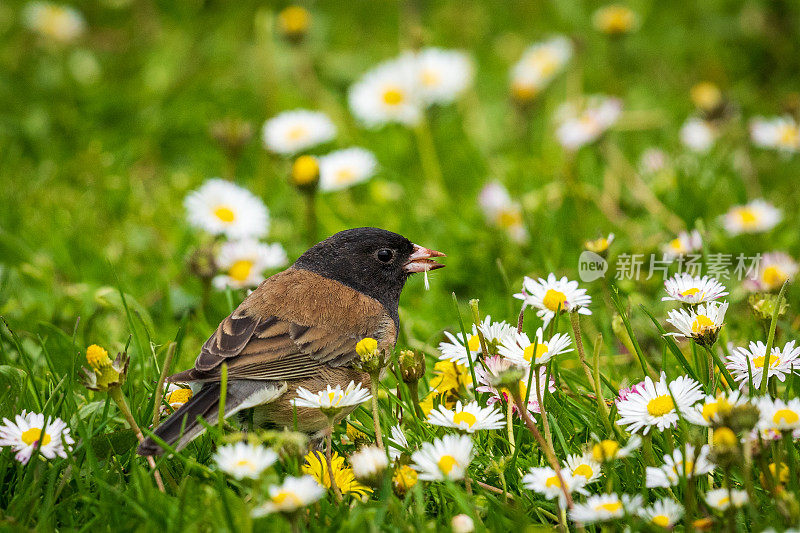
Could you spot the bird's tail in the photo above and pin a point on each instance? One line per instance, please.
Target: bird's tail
(183, 426)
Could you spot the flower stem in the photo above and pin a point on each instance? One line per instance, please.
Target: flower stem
(311, 216)
(545, 422)
(593, 377)
(771, 340)
(329, 463)
(510, 426)
(429, 160)
(376, 420)
(161, 379)
(119, 399)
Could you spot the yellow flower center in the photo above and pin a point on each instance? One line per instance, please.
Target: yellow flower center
(333, 398)
(552, 481)
(508, 218)
(774, 276)
(702, 323)
(706, 95)
(747, 216)
(179, 396)
(606, 449)
(404, 478)
(447, 463)
(474, 343)
(430, 78)
(554, 299)
(294, 20)
(688, 468)
(616, 19)
(597, 246)
(224, 213)
(723, 501)
(287, 498)
(611, 507)
(788, 135)
(297, 133)
(724, 437)
(660, 405)
(32, 435)
(774, 360)
(523, 92)
(305, 170)
(366, 346)
(545, 60)
(240, 270)
(344, 175)
(786, 415)
(464, 416)
(245, 463)
(676, 245)
(393, 96)
(541, 349)
(690, 292)
(661, 520)
(720, 406)
(583, 470)
(97, 357)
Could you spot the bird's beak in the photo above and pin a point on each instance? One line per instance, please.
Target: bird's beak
(420, 260)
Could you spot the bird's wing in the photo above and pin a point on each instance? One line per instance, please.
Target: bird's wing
(276, 337)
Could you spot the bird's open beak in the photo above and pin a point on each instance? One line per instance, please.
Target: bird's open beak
(420, 260)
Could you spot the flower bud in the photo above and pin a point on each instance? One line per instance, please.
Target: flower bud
(412, 366)
(305, 172)
(742, 418)
(370, 357)
(462, 523)
(294, 22)
(97, 357)
(763, 306)
(232, 134)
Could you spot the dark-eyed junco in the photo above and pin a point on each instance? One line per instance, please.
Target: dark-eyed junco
(300, 328)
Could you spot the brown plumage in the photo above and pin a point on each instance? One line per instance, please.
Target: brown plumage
(299, 328)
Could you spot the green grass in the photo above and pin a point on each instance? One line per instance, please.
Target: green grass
(94, 177)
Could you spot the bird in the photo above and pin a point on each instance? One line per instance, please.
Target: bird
(299, 328)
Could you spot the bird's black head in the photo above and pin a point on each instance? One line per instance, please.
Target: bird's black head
(373, 261)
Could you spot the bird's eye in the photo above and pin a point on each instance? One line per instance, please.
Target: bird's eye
(384, 255)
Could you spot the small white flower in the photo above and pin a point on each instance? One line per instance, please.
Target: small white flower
(685, 243)
(652, 161)
(754, 217)
(675, 467)
(221, 207)
(584, 466)
(24, 434)
(176, 395)
(520, 349)
(494, 333)
(701, 323)
(712, 408)
(462, 523)
(244, 263)
(344, 168)
(332, 398)
(244, 460)
(368, 462)
(781, 362)
(540, 63)
(779, 415)
(292, 494)
(552, 294)
(398, 443)
(58, 22)
(579, 125)
(608, 450)
(773, 270)
(442, 75)
(697, 134)
(545, 481)
(501, 211)
(496, 366)
(604, 507)
(387, 93)
(654, 406)
(294, 131)
(722, 499)
(470, 417)
(445, 458)
(777, 133)
(689, 289)
(663, 513)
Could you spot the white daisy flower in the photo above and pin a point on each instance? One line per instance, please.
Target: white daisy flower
(781, 362)
(722, 499)
(702, 324)
(368, 462)
(291, 495)
(753, 217)
(550, 295)
(675, 467)
(685, 243)
(663, 513)
(223, 208)
(712, 408)
(654, 406)
(469, 417)
(773, 270)
(29, 430)
(652, 161)
(398, 443)
(599, 245)
(445, 458)
(496, 366)
(442, 75)
(244, 262)
(540, 63)
(58, 22)
(584, 466)
(387, 93)
(244, 460)
(332, 398)
(545, 481)
(689, 289)
(294, 131)
(604, 507)
(501, 211)
(608, 450)
(176, 395)
(579, 125)
(698, 135)
(520, 349)
(494, 333)
(344, 168)
(779, 415)
(777, 133)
